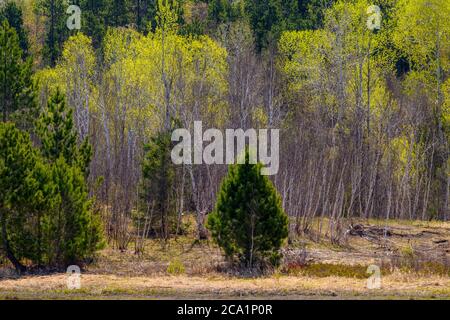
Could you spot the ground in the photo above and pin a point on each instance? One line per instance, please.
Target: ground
(414, 260)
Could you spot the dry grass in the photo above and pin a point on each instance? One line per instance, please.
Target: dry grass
(413, 266)
(396, 284)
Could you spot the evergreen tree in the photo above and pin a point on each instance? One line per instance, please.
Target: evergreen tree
(144, 13)
(17, 159)
(58, 135)
(118, 13)
(158, 180)
(56, 131)
(302, 15)
(17, 92)
(266, 19)
(94, 19)
(219, 11)
(55, 28)
(46, 214)
(26, 199)
(13, 14)
(76, 229)
(248, 222)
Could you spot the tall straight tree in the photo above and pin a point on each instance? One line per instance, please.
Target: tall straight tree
(266, 19)
(16, 88)
(13, 14)
(159, 175)
(77, 227)
(56, 29)
(143, 13)
(93, 22)
(118, 13)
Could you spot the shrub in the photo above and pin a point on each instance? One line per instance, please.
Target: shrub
(176, 267)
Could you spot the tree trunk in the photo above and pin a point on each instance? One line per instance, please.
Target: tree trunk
(20, 268)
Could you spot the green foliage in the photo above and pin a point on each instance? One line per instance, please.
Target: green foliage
(17, 92)
(76, 229)
(266, 19)
(18, 162)
(46, 214)
(224, 11)
(56, 31)
(301, 15)
(219, 11)
(158, 181)
(12, 13)
(176, 267)
(248, 222)
(118, 12)
(93, 19)
(100, 15)
(269, 18)
(58, 136)
(55, 129)
(144, 13)
(423, 35)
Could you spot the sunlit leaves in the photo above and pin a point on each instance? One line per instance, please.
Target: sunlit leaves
(423, 32)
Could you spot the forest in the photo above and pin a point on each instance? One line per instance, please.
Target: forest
(88, 112)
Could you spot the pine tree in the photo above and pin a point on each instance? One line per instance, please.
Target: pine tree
(25, 196)
(144, 13)
(158, 180)
(59, 137)
(118, 13)
(219, 11)
(17, 93)
(56, 130)
(248, 222)
(266, 19)
(94, 19)
(13, 14)
(76, 229)
(56, 28)
(301, 15)
(269, 18)
(46, 214)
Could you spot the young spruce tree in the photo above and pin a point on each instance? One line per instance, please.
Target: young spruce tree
(248, 222)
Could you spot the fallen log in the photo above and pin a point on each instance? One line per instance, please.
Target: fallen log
(369, 231)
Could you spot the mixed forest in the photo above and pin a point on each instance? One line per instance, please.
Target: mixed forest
(87, 116)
